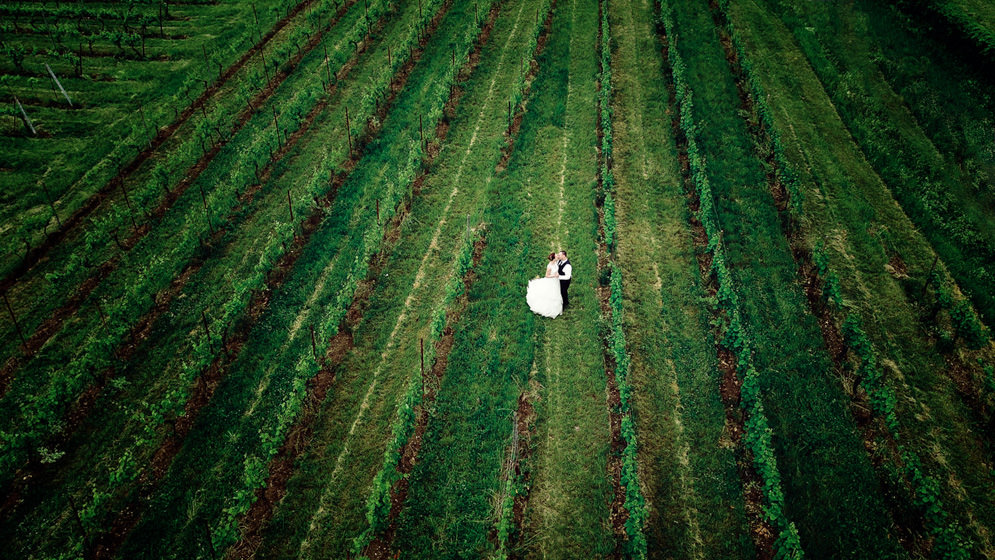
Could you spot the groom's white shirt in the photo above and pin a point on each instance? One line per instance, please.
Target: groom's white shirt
(565, 275)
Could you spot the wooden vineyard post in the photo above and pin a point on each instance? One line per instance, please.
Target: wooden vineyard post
(262, 56)
(254, 14)
(314, 346)
(145, 123)
(210, 222)
(51, 204)
(58, 83)
(328, 71)
(421, 342)
(419, 9)
(467, 225)
(366, 8)
(509, 116)
(421, 134)
(378, 212)
(24, 114)
(13, 319)
(276, 125)
(348, 130)
(127, 202)
(290, 205)
(207, 330)
(203, 195)
(929, 276)
(79, 524)
(100, 311)
(388, 57)
(204, 49)
(476, 19)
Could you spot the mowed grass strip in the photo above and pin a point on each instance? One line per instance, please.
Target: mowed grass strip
(831, 491)
(568, 514)
(687, 458)
(454, 496)
(848, 206)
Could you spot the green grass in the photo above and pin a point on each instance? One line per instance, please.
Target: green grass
(87, 142)
(831, 491)
(571, 488)
(355, 424)
(154, 371)
(848, 207)
(939, 195)
(455, 488)
(259, 380)
(84, 346)
(53, 281)
(688, 463)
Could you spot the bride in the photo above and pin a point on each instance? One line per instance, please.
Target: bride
(543, 294)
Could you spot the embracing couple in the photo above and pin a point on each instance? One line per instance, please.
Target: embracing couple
(548, 296)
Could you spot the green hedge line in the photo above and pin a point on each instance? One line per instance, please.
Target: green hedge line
(379, 501)
(949, 542)
(735, 336)
(635, 501)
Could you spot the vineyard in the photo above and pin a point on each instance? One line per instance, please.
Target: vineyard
(264, 267)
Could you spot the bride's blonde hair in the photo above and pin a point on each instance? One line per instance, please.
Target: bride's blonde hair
(552, 256)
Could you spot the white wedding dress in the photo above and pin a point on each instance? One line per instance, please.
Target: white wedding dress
(543, 294)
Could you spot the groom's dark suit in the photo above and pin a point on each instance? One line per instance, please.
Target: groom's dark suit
(565, 282)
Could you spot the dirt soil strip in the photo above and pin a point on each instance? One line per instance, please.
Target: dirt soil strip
(163, 134)
(908, 525)
(761, 531)
(81, 409)
(54, 323)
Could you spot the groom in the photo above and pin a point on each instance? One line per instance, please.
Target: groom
(565, 271)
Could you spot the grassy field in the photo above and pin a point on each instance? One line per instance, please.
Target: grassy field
(265, 279)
